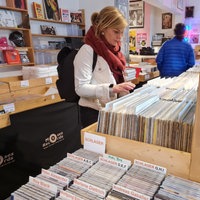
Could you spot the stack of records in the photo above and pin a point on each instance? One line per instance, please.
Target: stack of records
(141, 181)
(186, 81)
(59, 176)
(195, 68)
(39, 71)
(129, 73)
(155, 115)
(98, 180)
(176, 188)
(35, 189)
(89, 156)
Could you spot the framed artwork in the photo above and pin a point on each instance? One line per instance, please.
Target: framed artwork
(189, 11)
(49, 30)
(52, 9)
(166, 20)
(136, 14)
(180, 4)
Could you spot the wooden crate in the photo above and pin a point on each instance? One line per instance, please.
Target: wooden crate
(143, 78)
(135, 81)
(30, 98)
(148, 76)
(4, 120)
(154, 74)
(18, 84)
(178, 163)
(4, 88)
(26, 99)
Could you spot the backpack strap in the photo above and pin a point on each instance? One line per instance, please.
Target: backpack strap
(94, 60)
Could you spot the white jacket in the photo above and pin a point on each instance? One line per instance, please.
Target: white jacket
(92, 87)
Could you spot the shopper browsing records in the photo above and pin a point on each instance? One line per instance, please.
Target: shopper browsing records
(176, 55)
(106, 82)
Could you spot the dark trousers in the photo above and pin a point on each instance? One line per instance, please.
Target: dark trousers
(88, 116)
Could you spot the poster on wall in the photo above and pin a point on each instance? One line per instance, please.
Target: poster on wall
(166, 20)
(141, 40)
(136, 14)
(123, 6)
(194, 38)
(132, 40)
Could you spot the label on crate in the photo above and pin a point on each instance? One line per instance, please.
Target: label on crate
(147, 76)
(48, 80)
(43, 184)
(24, 83)
(121, 162)
(80, 159)
(67, 195)
(113, 163)
(9, 107)
(92, 188)
(94, 143)
(55, 176)
(150, 166)
(130, 193)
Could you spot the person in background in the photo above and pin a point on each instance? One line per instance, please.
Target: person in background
(106, 82)
(176, 55)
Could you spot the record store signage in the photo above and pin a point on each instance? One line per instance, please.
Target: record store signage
(94, 143)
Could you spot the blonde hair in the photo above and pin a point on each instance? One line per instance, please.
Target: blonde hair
(108, 17)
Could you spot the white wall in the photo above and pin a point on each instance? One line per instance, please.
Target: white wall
(93, 6)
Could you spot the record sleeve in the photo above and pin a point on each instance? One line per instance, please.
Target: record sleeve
(38, 10)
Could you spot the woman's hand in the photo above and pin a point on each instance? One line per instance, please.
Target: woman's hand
(123, 87)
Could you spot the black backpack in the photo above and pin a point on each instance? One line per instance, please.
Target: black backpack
(65, 82)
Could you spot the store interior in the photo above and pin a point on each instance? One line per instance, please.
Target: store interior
(39, 130)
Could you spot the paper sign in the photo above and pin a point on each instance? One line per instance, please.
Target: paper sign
(9, 107)
(94, 143)
(48, 80)
(24, 83)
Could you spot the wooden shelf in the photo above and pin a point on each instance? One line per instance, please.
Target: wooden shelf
(57, 22)
(13, 9)
(56, 36)
(47, 50)
(14, 29)
(21, 64)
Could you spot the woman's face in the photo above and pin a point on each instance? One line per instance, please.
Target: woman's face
(113, 36)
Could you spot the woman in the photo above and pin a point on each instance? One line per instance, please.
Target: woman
(106, 82)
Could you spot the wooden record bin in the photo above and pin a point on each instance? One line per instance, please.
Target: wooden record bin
(178, 163)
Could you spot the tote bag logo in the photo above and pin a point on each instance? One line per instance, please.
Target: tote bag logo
(53, 139)
(6, 159)
(1, 160)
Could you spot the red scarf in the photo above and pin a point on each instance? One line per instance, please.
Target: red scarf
(112, 55)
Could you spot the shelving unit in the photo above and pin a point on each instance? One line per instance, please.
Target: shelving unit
(70, 30)
(12, 83)
(24, 30)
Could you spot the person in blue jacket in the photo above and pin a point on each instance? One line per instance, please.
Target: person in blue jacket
(176, 55)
